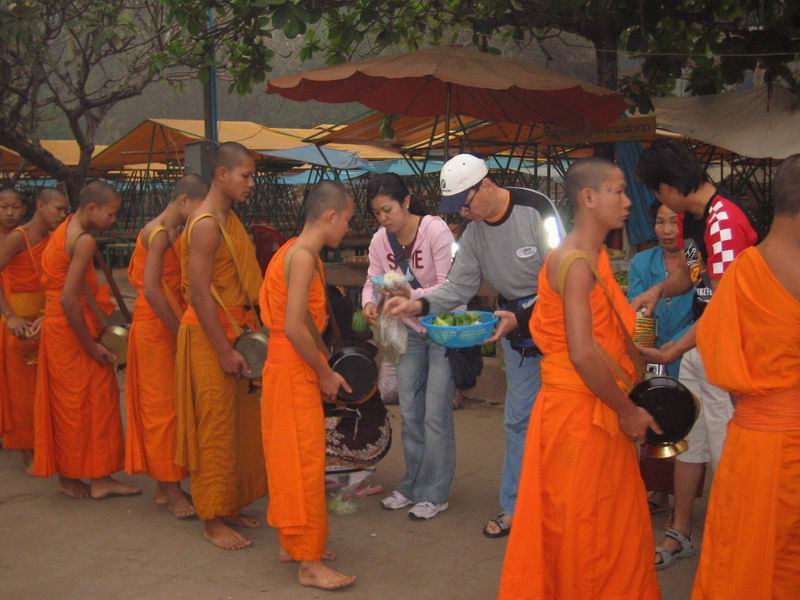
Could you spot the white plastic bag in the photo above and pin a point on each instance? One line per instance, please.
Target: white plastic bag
(392, 338)
(388, 384)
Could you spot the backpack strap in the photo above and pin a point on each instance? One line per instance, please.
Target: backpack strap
(237, 330)
(28, 245)
(567, 261)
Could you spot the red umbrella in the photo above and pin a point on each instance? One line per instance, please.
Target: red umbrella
(436, 81)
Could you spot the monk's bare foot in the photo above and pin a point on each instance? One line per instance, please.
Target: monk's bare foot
(27, 459)
(241, 520)
(283, 555)
(223, 536)
(74, 488)
(315, 574)
(106, 487)
(171, 495)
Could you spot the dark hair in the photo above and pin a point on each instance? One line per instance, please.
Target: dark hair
(586, 172)
(97, 192)
(655, 206)
(392, 185)
(670, 163)
(786, 187)
(324, 196)
(230, 155)
(192, 185)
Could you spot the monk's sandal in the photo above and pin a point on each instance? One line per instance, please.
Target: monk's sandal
(664, 558)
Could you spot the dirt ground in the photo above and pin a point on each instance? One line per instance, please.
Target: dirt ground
(55, 548)
(52, 547)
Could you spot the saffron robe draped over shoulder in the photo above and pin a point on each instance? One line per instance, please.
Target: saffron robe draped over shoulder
(22, 287)
(77, 423)
(582, 527)
(219, 438)
(151, 435)
(293, 423)
(749, 338)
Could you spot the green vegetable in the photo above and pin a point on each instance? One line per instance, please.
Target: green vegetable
(456, 319)
(359, 323)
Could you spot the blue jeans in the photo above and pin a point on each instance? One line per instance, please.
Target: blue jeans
(426, 403)
(523, 381)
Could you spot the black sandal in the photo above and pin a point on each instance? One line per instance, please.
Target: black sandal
(503, 528)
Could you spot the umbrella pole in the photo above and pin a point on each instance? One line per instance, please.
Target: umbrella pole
(447, 124)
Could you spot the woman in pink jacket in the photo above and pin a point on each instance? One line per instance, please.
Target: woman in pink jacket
(410, 240)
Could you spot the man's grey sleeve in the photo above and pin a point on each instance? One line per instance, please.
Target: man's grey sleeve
(464, 279)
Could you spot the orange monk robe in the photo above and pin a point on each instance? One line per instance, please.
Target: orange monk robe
(749, 338)
(581, 527)
(150, 378)
(77, 423)
(218, 417)
(293, 423)
(22, 287)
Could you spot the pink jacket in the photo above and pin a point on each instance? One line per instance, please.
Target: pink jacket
(431, 258)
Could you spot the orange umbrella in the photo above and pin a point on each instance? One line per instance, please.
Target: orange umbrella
(438, 81)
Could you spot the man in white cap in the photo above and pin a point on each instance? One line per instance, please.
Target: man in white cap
(505, 243)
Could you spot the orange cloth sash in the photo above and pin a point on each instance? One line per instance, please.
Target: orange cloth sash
(749, 338)
(77, 422)
(151, 439)
(292, 427)
(218, 430)
(580, 480)
(22, 287)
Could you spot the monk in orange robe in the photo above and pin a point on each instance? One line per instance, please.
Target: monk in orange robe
(749, 338)
(22, 305)
(218, 414)
(12, 209)
(155, 272)
(77, 423)
(582, 527)
(297, 379)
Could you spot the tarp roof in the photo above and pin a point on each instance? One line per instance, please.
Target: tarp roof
(163, 140)
(750, 123)
(322, 156)
(67, 151)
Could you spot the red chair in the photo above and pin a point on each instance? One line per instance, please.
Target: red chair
(267, 240)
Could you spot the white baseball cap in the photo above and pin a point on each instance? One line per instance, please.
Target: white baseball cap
(460, 174)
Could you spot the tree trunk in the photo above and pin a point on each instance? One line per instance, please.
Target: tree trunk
(73, 185)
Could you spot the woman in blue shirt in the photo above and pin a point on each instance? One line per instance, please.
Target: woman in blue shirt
(651, 266)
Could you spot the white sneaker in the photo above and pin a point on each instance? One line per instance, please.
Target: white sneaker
(427, 510)
(396, 501)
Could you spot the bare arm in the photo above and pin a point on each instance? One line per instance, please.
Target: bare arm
(672, 351)
(588, 362)
(206, 237)
(678, 282)
(299, 325)
(153, 288)
(12, 245)
(82, 255)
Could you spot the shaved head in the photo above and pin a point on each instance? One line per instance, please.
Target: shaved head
(325, 196)
(47, 195)
(192, 186)
(11, 194)
(786, 187)
(586, 173)
(97, 192)
(230, 155)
